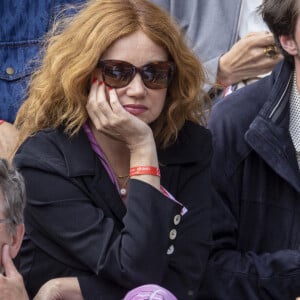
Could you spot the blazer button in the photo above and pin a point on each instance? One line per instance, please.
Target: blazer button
(173, 234)
(177, 219)
(171, 250)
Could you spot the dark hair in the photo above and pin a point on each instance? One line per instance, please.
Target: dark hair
(281, 18)
(13, 190)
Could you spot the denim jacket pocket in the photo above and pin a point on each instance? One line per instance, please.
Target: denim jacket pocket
(18, 59)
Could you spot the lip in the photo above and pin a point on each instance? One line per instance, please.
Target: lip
(135, 109)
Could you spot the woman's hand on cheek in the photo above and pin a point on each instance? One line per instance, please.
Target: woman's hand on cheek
(109, 117)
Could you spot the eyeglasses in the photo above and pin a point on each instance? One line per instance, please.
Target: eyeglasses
(155, 75)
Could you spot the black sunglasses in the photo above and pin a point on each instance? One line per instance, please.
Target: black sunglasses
(155, 75)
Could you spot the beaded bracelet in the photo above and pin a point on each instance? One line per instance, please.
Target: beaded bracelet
(1, 122)
(144, 170)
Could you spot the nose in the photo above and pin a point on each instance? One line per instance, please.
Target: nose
(136, 87)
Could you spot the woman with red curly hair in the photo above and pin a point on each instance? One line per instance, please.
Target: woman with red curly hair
(115, 157)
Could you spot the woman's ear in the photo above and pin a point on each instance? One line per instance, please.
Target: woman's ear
(16, 240)
(289, 44)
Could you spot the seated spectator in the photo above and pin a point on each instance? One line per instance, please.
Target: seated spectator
(12, 203)
(255, 170)
(115, 157)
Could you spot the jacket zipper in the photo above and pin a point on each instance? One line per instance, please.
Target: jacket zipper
(281, 99)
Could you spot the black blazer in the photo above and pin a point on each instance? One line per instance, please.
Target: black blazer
(77, 225)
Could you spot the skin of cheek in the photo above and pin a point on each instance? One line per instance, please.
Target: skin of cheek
(4, 239)
(159, 106)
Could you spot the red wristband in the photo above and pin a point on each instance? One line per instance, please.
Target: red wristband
(144, 170)
(1, 122)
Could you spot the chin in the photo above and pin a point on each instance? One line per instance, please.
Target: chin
(143, 119)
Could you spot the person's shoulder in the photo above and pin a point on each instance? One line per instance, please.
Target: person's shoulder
(193, 145)
(245, 101)
(194, 134)
(231, 119)
(44, 140)
(54, 150)
(41, 149)
(239, 109)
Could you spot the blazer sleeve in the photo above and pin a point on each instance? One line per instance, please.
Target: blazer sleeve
(193, 243)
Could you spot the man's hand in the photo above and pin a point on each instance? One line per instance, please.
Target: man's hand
(8, 139)
(11, 284)
(247, 59)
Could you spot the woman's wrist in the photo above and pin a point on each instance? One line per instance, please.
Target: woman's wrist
(144, 170)
(144, 153)
(144, 158)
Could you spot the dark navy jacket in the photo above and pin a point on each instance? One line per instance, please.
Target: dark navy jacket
(77, 225)
(257, 209)
(23, 26)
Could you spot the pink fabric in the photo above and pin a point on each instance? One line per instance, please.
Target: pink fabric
(100, 153)
(149, 292)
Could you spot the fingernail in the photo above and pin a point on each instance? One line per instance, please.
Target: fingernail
(95, 79)
(110, 88)
(100, 82)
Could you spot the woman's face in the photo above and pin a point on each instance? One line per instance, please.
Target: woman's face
(137, 49)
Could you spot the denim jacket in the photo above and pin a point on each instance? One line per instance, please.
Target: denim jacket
(23, 25)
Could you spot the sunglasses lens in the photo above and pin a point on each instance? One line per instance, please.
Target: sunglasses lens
(117, 74)
(157, 75)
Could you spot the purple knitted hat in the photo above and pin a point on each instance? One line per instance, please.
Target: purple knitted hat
(149, 292)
